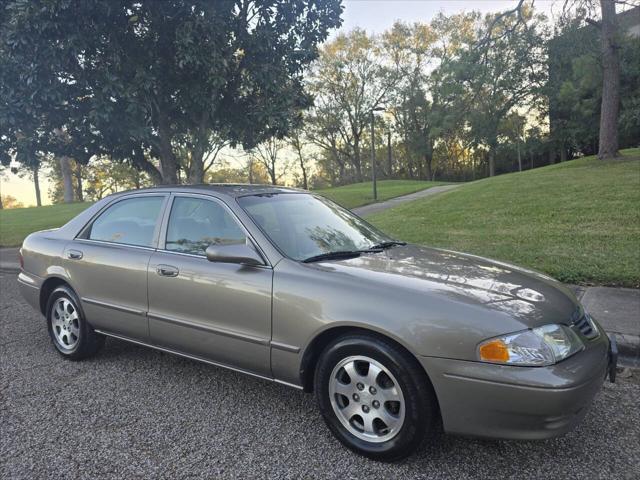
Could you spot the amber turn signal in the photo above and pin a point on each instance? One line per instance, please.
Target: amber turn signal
(494, 351)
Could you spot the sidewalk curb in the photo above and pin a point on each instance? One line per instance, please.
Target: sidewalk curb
(628, 348)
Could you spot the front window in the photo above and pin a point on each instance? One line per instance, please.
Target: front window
(196, 223)
(304, 226)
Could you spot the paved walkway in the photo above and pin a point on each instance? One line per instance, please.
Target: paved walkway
(394, 202)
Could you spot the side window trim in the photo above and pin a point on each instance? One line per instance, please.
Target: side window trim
(165, 224)
(81, 235)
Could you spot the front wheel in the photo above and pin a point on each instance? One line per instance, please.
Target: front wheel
(374, 397)
(70, 333)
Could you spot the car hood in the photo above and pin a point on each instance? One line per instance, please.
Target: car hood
(530, 297)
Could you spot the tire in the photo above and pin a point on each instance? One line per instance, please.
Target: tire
(401, 410)
(71, 334)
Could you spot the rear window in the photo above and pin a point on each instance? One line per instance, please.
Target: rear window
(129, 222)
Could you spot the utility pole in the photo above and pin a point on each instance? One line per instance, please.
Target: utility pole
(373, 158)
(389, 158)
(373, 152)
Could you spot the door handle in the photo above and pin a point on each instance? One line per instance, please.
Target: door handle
(167, 271)
(74, 254)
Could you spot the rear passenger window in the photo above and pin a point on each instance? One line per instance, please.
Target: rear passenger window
(130, 222)
(196, 223)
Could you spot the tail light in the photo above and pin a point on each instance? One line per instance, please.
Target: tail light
(21, 259)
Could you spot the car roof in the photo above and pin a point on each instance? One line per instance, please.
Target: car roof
(229, 189)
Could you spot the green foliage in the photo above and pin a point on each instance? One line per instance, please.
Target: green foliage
(578, 221)
(502, 69)
(140, 79)
(575, 87)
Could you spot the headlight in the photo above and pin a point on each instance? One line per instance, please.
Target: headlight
(533, 348)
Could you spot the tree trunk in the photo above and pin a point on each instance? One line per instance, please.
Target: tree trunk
(272, 171)
(610, 82)
(78, 189)
(1, 207)
(410, 163)
(67, 181)
(36, 182)
(196, 169)
(428, 161)
(343, 173)
(168, 161)
(552, 157)
(519, 156)
(492, 162)
(272, 174)
(427, 166)
(250, 171)
(304, 172)
(152, 171)
(357, 163)
(563, 154)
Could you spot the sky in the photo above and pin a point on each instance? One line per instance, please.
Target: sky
(374, 16)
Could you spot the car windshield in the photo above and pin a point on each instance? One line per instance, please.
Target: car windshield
(303, 226)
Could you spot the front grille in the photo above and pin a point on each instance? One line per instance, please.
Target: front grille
(586, 327)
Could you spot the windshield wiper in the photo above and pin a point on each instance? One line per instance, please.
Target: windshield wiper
(340, 254)
(390, 243)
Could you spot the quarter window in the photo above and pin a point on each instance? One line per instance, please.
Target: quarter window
(195, 223)
(130, 222)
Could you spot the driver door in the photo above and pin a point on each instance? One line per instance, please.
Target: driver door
(220, 312)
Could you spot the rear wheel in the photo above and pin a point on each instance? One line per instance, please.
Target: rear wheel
(70, 333)
(374, 397)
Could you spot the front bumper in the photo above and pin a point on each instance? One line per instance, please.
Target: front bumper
(526, 403)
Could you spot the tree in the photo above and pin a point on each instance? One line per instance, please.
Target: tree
(513, 128)
(499, 75)
(145, 80)
(576, 84)
(610, 82)
(30, 168)
(269, 155)
(254, 172)
(8, 202)
(296, 143)
(350, 79)
(66, 186)
(103, 177)
(610, 41)
(410, 48)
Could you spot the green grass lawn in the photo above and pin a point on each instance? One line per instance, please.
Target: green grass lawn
(17, 223)
(578, 221)
(358, 194)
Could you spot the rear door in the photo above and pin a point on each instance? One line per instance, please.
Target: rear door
(217, 311)
(108, 262)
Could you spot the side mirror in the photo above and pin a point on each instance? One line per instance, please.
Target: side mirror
(234, 253)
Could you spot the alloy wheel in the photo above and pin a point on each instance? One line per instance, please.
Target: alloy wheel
(65, 323)
(367, 399)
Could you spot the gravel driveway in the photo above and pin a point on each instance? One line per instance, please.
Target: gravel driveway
(134, 412)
